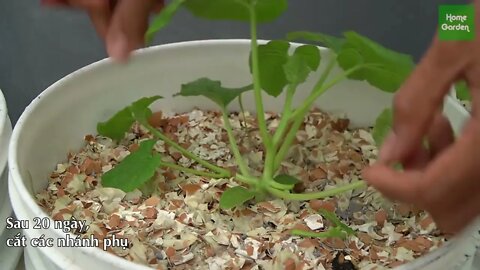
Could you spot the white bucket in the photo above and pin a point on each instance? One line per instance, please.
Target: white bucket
(57, 120)
(8, 256)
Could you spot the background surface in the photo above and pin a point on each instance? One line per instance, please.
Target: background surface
(38, 45)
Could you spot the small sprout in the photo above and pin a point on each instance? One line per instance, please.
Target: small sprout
(330, 216)
(134, 170)
(235, 196)
(338, 230)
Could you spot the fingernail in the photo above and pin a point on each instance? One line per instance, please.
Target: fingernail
(118, 48)
(386, 151)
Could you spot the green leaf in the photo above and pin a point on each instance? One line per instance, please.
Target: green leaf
(238, 10)
(462, 91)
(163, 18)
(235, 196)
(134, 170)
(116, 126)
(304, 60)
(271, 59)
(286, 179)
(212, 90)
(383, 125)
(311, 54)
(140, 110)
(387, 69)
(328, 41)
(336, 221)
(122, 121)
(350, 58)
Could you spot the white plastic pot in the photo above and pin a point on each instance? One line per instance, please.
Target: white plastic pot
(5, 132)
(8, 256)
(56, 121)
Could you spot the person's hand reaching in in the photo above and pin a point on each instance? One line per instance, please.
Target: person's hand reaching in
(120, 23)
(445, 179)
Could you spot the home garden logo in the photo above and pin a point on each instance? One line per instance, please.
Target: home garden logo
(456, 22)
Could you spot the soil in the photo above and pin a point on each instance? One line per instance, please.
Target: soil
(176, 222)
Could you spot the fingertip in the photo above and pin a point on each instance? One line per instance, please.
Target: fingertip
(386, 154)
(117, 47)
(374, 174)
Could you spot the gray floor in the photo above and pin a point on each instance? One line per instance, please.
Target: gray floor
(39, 46)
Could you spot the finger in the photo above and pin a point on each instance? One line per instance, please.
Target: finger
(101, 17)
(418, 159)
(453, 176)
(440, 135)
(419, 98)
(402, 186)
(454, 219)
(128, 26)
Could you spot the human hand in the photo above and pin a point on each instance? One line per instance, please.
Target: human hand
(120, 23)
(445, 179)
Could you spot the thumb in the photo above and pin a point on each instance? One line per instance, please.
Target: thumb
(419, 99)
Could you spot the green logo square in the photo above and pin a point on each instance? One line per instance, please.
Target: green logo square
(456, 22)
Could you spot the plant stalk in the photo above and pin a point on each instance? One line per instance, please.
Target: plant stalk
(285, 118)
(316, 195)
(189, 170)
(242, 109)
(266, 138)
(327, 234)
(233, 145)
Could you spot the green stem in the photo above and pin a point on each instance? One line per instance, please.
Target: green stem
(262, 125)
(300, 113)
(277, 185)
(316, 195)
(282, 152)
(242, 109)
(233, 145)
(326, 234)
(325, 73)
(221, 171)
(189, 170)
(319, 90)
(285, 118)
(247, 179)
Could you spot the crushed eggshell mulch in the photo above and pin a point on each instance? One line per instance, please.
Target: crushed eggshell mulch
(176, 222)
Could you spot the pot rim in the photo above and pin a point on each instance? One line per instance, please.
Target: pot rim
(56, 87)
(3, 112)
